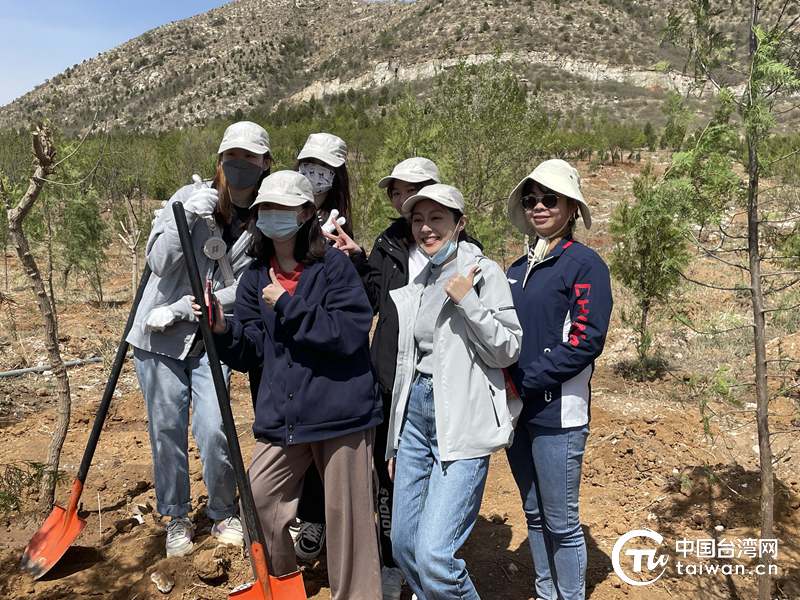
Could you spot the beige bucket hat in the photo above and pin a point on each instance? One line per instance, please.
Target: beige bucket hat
(554, 174)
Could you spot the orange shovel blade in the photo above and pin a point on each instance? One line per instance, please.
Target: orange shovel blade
(286, 587)
(54, 537)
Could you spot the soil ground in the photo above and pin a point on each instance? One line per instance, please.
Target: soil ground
(648, 464)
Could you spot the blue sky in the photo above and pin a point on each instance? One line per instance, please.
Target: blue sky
(39, 39)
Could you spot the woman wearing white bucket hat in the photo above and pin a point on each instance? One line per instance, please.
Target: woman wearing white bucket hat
(171, 364)
(457, 330)
(562, 294)
(302, 317)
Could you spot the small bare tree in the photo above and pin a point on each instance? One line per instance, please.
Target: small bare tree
(44, 164)
(131, 236)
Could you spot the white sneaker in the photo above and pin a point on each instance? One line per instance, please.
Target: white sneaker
(310, 541)
(295, 527)
(392, 582)
(179, 536)
(229, 531)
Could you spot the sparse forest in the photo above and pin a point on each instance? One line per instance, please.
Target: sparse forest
(696, 399)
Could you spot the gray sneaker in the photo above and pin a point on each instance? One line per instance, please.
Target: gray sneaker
(179, 536)
(229, 531)
(310, 541)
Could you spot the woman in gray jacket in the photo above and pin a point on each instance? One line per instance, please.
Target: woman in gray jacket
(169, 357)
(458, 330)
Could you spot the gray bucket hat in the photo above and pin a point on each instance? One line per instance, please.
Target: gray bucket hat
(287, 188)
(554, 174)
(446, 195)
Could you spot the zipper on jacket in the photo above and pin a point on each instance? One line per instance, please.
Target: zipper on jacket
(548, 395)
(529, 271)
(494, 408)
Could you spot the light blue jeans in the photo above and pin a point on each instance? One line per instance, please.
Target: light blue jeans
(546, 463)
(169, 387)
(435, 504)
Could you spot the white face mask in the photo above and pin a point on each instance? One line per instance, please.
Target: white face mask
(320, 176)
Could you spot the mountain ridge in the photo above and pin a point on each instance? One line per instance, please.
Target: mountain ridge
(256, 53)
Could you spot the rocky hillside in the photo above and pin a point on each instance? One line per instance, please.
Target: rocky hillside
(256, 53)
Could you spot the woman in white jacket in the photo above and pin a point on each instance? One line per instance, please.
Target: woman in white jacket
(458, 330)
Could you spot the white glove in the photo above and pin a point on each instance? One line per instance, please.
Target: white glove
(202, 202)
(159, 319)
(182, 309)
(328, 226)
(162, 317)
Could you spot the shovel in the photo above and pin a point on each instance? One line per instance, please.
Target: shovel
(60, 529)
(266, 586)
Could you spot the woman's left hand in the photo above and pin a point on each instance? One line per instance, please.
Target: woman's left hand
(342, 241)
(273, 291)
(459, 285)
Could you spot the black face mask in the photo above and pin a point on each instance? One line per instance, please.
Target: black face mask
(240, 173)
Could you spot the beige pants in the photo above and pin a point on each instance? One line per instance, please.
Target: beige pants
(276, 476)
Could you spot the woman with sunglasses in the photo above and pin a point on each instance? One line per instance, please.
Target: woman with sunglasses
(562, 294)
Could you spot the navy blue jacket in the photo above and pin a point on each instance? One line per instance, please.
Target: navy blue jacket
(317, 381)
(564, 308)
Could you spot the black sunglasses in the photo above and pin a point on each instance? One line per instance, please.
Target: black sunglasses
(549, 200)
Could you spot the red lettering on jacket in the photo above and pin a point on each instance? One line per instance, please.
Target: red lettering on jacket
(576, 330)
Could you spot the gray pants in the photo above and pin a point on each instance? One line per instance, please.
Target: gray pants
(345, 463)
(169, 387)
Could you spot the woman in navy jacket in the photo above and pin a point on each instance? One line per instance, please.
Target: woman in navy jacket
(302, 312)
(562, 294)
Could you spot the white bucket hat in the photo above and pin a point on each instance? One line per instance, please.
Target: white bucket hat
(413, 170)
(554, 174)
(287, 188)
(247, 135)
(446, 195)
(326, 147)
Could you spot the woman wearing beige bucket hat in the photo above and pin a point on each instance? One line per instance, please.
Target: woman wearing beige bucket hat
(303, 318)
(171, 364)
(457, 329)
(562, 295)
(323, 161)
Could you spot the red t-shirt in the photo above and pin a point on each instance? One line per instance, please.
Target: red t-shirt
(289, 280)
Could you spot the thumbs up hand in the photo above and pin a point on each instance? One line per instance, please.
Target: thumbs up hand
(273, 291)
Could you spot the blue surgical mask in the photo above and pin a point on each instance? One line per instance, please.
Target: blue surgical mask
(446, 251)
(278, 224)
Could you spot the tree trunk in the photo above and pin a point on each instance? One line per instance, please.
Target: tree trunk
(643, 343)
(44, 153)
(759, 342)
